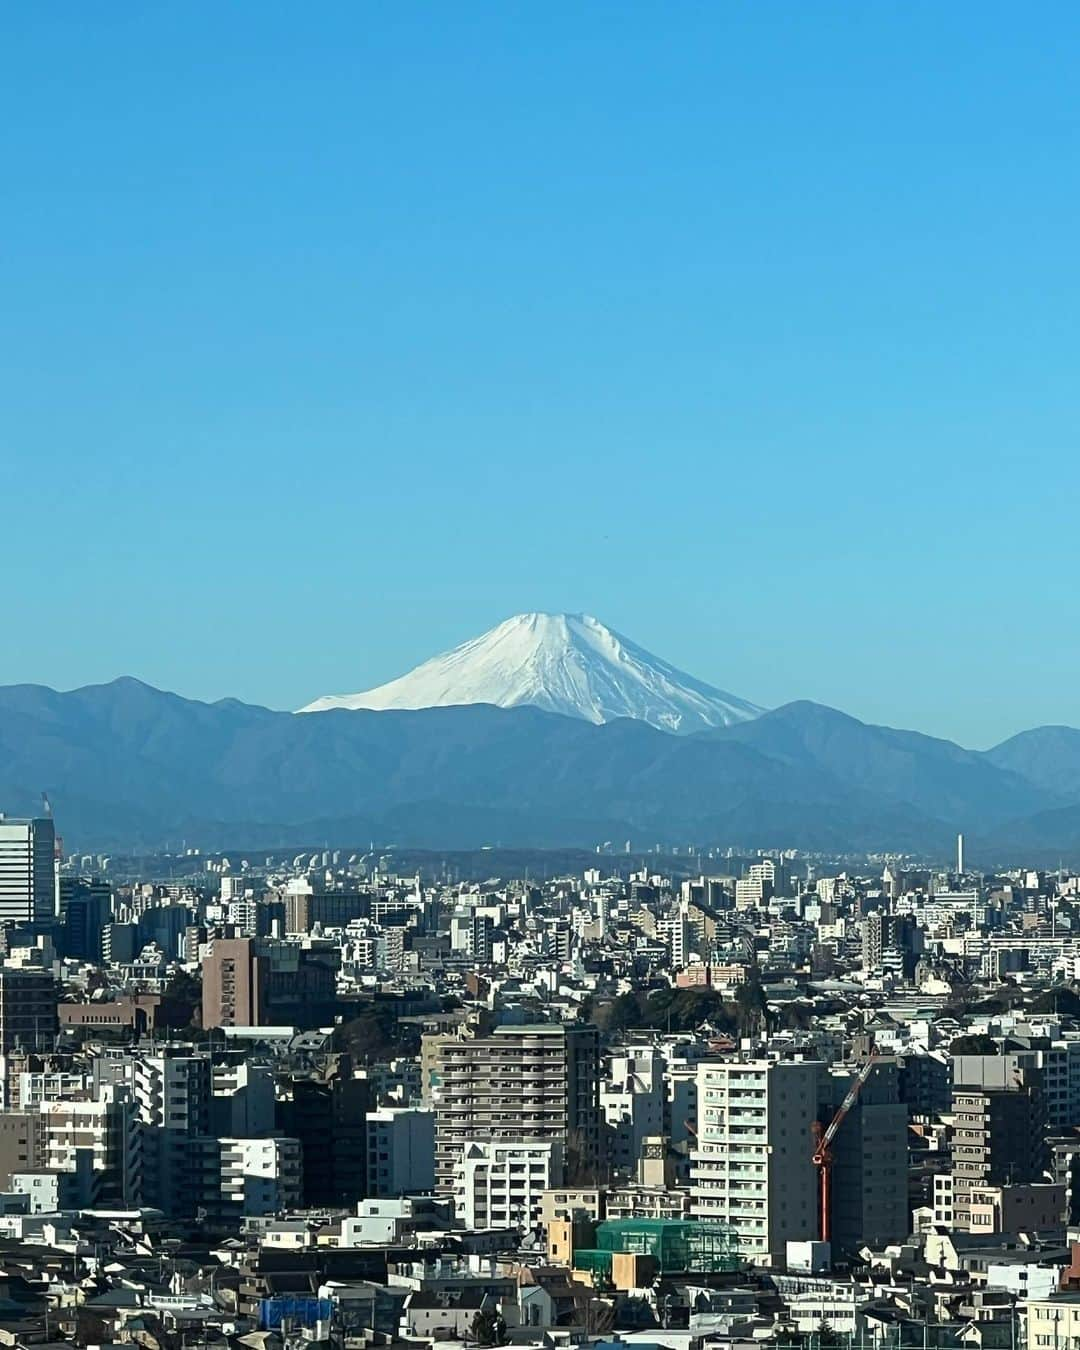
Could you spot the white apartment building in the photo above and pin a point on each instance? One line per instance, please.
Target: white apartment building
(632, 1103)
(677, 933)
(751, 1167)
(172, 1105)
(260, 1176)
(52, 1085)
(501, 1184)
(100, 1130)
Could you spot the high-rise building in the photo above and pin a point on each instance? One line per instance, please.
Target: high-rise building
(521, 1084)
(233, 992)
(305, 908)
(27, 871)
(999, 1127)
(172, 1105)
(104, 1131)
(327, 1116)
(632, 1100)
(251, 982)
(242, 1106)
(870, 1160)
(85, 910)
(28, 1002)
(751, 1167)
(753, 890)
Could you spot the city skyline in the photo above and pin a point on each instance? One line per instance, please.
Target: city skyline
(539, 746)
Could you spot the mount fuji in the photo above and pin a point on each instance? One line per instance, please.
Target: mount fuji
(564, 663)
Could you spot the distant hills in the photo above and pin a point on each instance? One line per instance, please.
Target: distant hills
(130, 766)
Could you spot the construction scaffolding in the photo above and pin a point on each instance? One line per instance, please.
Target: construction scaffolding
(677, 1245)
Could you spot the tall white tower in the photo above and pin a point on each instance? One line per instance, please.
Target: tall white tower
(959, 855)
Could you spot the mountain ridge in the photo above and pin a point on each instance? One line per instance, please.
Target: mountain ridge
(126, 764)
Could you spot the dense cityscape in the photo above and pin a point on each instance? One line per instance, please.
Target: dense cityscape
(312, 1099)
(539, 720)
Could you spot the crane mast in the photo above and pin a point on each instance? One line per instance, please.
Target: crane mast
(822, 1156)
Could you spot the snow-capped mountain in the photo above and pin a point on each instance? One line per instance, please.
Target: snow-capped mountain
(566, 663)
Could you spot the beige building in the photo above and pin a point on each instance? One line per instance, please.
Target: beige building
(1012, 1209)
(520, 1085)
(232, 988)
(1054, 1323)
(20, 1144)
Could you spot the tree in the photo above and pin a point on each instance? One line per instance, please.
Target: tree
(623, 1013)
(751, 1005)
(376, 1033)
(181, 1004)
(973, 1045)
(1060, 999)
(488, 1327)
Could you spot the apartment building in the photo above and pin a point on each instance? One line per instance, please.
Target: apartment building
(260, 1176)
(998, 1131)
(521, 1084)
(870, 1160)
(751, 1167)
(632, 1100)
(502, 1185)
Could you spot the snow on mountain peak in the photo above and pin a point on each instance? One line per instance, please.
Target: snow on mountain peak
(565, 663)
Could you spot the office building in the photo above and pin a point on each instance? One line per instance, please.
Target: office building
(28, 1017)
(327, 1116)
(27, 871)
(85, 910)
(233, 984)
(20, 1144)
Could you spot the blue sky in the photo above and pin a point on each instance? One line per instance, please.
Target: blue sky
(336, 334)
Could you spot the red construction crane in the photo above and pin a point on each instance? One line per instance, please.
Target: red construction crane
(822, 1156)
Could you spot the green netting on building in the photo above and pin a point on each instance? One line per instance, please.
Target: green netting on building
(594, 1261)
(675, 1244)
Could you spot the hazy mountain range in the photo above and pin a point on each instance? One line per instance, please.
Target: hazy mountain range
(130, 766)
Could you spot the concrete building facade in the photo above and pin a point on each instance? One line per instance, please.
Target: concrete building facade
(751, 1167)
